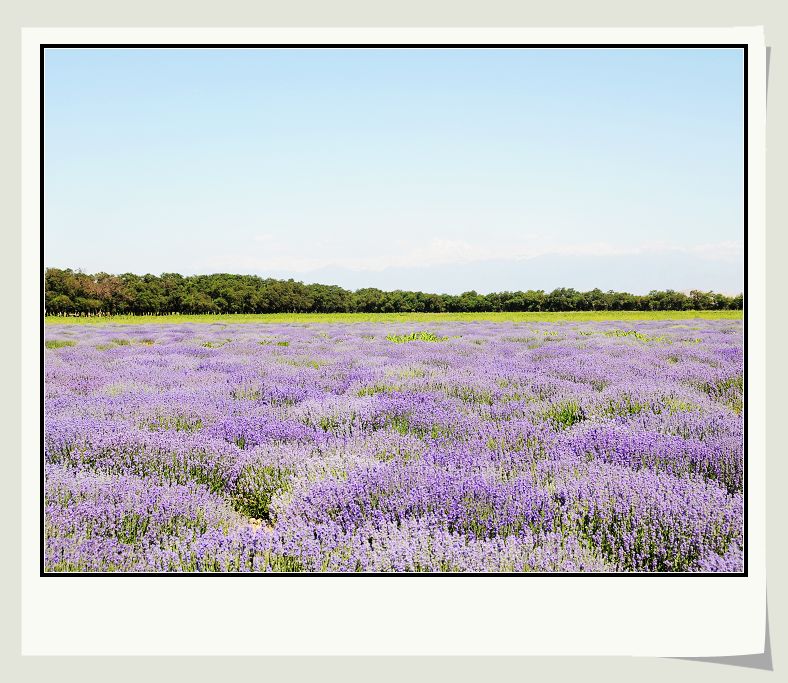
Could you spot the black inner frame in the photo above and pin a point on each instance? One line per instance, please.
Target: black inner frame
(448, 46)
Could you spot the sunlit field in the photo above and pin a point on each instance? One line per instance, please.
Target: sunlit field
(514, 316)
(432, 443)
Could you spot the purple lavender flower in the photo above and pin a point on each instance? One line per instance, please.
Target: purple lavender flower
(491, 447)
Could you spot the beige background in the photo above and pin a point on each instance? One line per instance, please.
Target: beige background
(16, 14)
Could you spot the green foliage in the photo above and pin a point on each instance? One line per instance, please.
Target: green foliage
(284, 563)
(58, 343)
(470, 394)
(177, 423)
(400, 423)
(634, 334)
(398, 453)
(728, 391)
(124, 341)
(246, 394)
(132, 527)
(624, 405)
(270, 342)
(676, 405)
(403, 425)
(329, 423)
(564, 415)
(301, 362)
(414, 336)
(407, 372)
(256, 487)
(376, 389)
(217, 344)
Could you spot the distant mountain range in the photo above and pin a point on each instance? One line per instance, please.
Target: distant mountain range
(637, 274)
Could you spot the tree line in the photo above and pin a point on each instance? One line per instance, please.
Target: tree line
(72, 292)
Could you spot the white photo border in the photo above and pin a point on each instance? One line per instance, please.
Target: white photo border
(689, 616)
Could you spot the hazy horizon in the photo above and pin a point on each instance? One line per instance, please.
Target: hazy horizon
(443, 170)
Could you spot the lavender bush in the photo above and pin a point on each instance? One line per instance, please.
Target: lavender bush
(454, 447)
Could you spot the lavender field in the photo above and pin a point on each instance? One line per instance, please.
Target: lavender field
(374, 447)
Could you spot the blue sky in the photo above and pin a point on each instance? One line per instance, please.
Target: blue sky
(436, 169)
